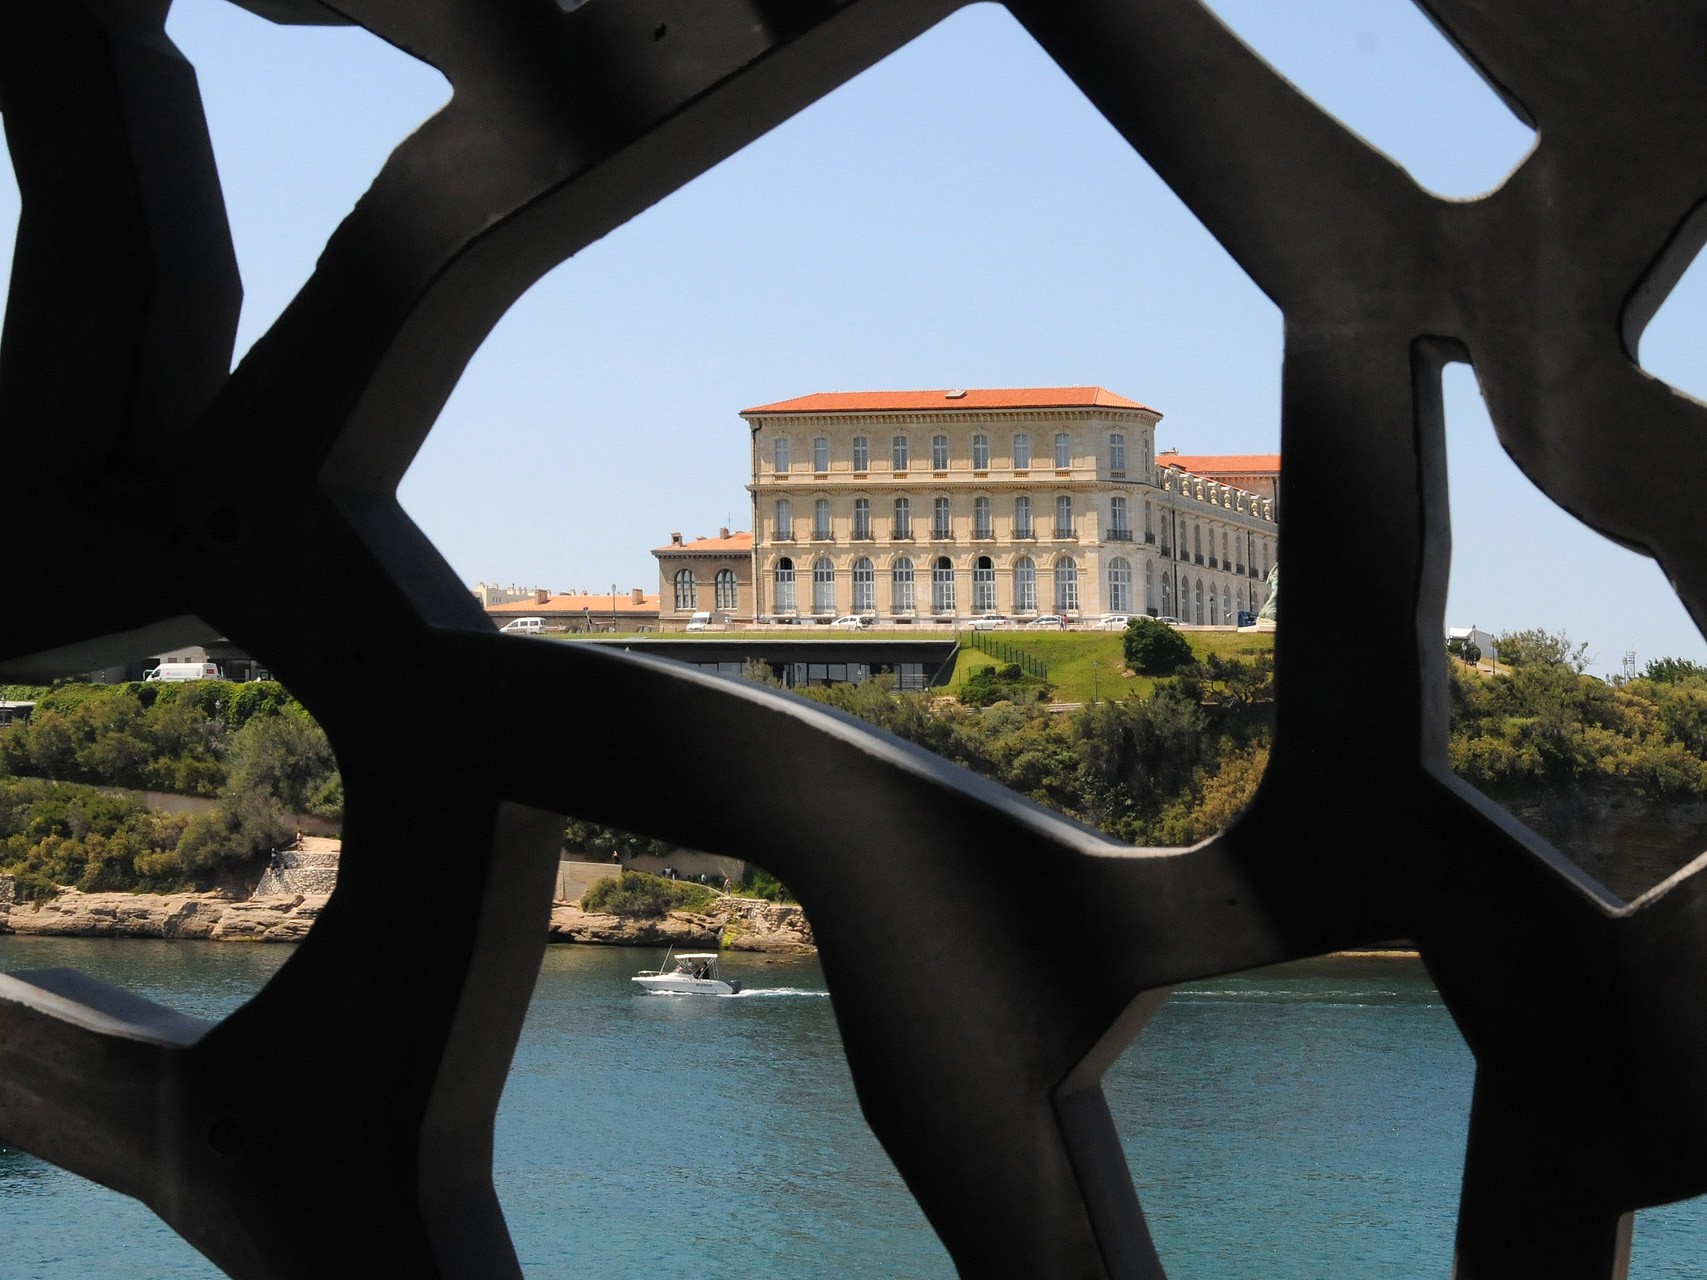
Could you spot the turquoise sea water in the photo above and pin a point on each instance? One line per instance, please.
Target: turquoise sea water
(1302, 1122)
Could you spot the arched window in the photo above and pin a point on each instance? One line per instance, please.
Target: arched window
(1227, 605)
(727, 590)
(1119, 585)
(1022, 517)
(1199, 617)
(1214, 610)
(901, 586)
(942, 585)
(1066, 585)
(785, 585)
(980, 452)
(861, 454)
(898, 452)
(1025, 585)
(902, 526)
(862, 518)
(864, 587)
(1167, 596)
(823, 586)
(784, 529)
(779, 451)
(821, 519)
(983, 585)
(981, 527)
(939, 453)
(687, 591)
(1063, 451)
(1116, 451)
(821, 454)
(939, 520)
(1150, 587)
(1022, 452)
(1063, 517)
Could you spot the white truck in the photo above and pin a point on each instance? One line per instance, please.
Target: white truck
(184, 671)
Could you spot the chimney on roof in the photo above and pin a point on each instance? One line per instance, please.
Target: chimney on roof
(540, 595)
(675, 539)
(639, 593)
(724, 534)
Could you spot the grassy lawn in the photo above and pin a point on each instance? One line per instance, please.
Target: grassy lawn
(1086, 663)
(1082, 664)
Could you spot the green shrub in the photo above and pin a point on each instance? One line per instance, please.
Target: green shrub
(1154, 648)
(764, 885)
(638, 895)
(989, 685)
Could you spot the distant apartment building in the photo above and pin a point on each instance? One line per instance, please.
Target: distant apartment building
(933, 506)
(490, 594)
(706, 575)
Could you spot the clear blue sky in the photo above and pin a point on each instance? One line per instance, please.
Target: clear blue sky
(958, 216)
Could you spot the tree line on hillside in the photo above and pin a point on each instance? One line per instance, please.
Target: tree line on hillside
(250, 747)
(1168, 765)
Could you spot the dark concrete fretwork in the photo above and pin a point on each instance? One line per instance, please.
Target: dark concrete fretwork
(260, 504)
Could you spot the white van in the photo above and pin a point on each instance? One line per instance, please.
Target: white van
(185, 671)
(699, 622)
(524, 627)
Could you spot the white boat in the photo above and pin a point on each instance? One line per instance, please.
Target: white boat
(694, 974)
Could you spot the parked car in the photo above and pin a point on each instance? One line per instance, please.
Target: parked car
(1169, 619)
(1048, 622)
(989, 621)
(852, 622)
(523, 627)
(1114, 621)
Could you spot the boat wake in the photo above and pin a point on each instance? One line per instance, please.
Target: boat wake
(745, 992)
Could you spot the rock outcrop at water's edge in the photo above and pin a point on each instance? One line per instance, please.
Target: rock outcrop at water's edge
(214, 916)
(729, 923)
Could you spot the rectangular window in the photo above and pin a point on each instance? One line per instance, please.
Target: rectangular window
(1117, 520)
(981, 518)
(1022, 517)
(784, 519)
(779, 451)
(980, 452)
(821, 520)
(1063, 517)
(903, 523)
(939, 453)
(861, 454)
(862, 518)
(1117, 452)
(898, 448)
(821, 455)
(1022, 452)
(1063, 451)
(939, 520)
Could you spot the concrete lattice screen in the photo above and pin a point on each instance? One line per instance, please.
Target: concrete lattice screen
(381, 1062)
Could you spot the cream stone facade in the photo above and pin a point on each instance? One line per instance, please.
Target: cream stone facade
(928, 507)
(705, 575)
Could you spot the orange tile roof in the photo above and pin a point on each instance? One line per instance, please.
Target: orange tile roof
(1228, 464)
(574, 602)
(735, 543)
(944, 398)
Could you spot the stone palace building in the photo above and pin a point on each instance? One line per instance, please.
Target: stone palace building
(933, 506)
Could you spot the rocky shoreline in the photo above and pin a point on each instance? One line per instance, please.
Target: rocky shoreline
(728, 923)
